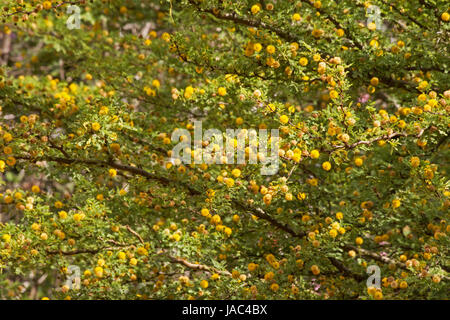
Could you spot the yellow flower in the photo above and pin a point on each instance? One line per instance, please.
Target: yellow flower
(8, 199)
(315, 270)
(214, 276)
(374, 81)
(334, 94)
(47, 5)
(236, 173)
(229, 182)
(301, 196)
(267, 199)
(96, 126)
(269, 276)
(429, 174)
(103, 110)
(372, 26)
(359, 162)
(303, 61)
(326, 166)
(6, 237)
(11, 161)
(204, 284)
(188, 92)
(112, 172)
(142, 251)
(257, 47)
(62, 214)
(216, 219)
(255, 8)
(123, 10)
(98, 271)
(166, 37)
(396, 203)
(359, 241)
(415, 162)
(156, 83)
(176, 237)
(252, 266)
(7, 137)
(270, 49)
(296, 17)
(228, 231)
(284, 119)
(315, 154)
(222, 91)
(378, 295)
(317, 33)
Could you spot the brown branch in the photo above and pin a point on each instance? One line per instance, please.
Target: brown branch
(256, 211)
(336, 23)
(404, 14)
(196, 266)
(346, 271)
(384, 137)
(135, 233)
(263, 215)
(248, 22)
(111, 164)
(375, 256)
(380, 258)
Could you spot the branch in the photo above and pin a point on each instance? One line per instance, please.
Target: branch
(346, 271)
(384, 137)
(247, 22)
(196, 266)
(135, 233)
(263, 215)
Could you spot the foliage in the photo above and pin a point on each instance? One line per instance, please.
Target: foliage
(87, 119)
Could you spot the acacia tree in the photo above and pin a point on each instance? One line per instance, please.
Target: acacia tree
(358, 90)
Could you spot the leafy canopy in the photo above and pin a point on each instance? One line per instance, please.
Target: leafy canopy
(87, 119)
